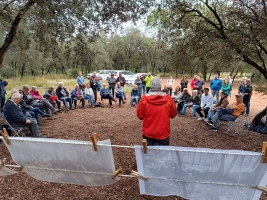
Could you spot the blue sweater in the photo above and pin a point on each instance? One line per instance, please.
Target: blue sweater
(13, 113)
(80, 80)
(104, 91)
(216, 84)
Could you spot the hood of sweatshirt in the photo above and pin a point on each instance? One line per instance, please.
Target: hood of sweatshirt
(158, 98)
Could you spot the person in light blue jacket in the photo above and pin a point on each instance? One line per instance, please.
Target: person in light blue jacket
(80, 80)
(216, 86)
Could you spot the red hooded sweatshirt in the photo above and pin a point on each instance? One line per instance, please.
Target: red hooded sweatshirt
(156, 111)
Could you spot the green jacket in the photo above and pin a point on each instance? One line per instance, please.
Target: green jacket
(148, 79)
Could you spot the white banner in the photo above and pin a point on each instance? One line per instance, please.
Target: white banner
(64, 161)
(201, 174)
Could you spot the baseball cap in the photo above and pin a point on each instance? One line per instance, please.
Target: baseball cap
(239, 95)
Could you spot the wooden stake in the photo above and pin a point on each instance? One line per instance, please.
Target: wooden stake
(144, 146)
(94, 142)
(134, 173)
(117, 173)
(264, 152)
(5, 136)
(264, 189)
(95, 136)
(3, 162)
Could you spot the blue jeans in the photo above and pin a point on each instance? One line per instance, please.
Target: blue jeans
(90, 99)
(213, 93)
(184, 108)
(206, 111)
(155, 142)
(120, 97)
(64, 100)
(222, 114)
(246, 101)
(136, 100)
(143, 87)
(36, 111)
(195, 109)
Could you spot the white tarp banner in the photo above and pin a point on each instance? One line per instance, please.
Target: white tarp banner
(201, 174)
(64, 161)
(4, 171)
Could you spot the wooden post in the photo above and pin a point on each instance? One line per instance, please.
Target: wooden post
(144, 146)
(264, 152)
(5, 136)
(94, 142)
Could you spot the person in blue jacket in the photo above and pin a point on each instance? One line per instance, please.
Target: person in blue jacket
(3, 85)
(216, 86)
(105, 93)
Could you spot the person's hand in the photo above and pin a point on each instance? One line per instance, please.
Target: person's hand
(6, 80)
(27, 113)
(202, 108)
(28, 121)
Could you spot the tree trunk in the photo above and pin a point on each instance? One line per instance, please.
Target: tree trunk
(205, 72)
(48, 71)
(232, 71)
(252, 76)
(42, 71)
(176, 72)
(13, 30)
(235, 75)
(209, 76)
(22, 72)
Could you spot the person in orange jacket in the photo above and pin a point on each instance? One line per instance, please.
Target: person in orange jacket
(155, 109)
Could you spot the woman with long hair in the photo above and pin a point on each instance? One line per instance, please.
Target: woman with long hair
(226, 86)
(184, 82)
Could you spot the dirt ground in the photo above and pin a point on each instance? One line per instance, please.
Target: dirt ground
(123, 128)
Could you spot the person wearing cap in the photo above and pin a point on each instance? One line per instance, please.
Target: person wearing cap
(112, 83)
(156, 109)
(15, 116)
(148, 79)
(106, 94)
(246, 91)
(229, 114)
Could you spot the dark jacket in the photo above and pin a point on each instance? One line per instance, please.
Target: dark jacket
(185, 98)
(143, 79)
(3, 84)
(59, 94)
(121, 80)
(25, 97)
(195, 101)
(138, 82)
(135, 92)
(13, 113)
(94, 84)
(183, 85)
(247, 89)
(112, 82)
(24, 106)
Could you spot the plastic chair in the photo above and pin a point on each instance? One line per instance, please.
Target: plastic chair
(16, 130)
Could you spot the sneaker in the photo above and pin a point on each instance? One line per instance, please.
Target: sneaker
(181, 114)
(209, 122)
(194, 116)
(201, 118)
(124, 102)
(111, 106)
(72, 108)
(206, 119)
(39, 123)
(212, 129)
(47, 115)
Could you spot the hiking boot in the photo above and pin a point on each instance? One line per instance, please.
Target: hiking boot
(181, 114)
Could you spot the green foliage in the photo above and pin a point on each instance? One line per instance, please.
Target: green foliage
(7, 72)
(73, 73)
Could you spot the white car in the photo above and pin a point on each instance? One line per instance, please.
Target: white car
(98, 72)
(105, 74)
(130, 80)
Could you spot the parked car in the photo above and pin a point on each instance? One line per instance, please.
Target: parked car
(105, 74)
(130, 80)
(98, 72)
(125, 73)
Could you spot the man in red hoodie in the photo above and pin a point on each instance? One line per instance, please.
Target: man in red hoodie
(156, 108)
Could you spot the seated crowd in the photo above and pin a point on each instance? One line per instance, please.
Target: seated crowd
(25, 105)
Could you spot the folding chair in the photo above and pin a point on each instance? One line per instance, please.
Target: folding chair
(230, 125)
(16, 130)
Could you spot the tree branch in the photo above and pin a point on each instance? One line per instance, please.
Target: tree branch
(6, 6)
